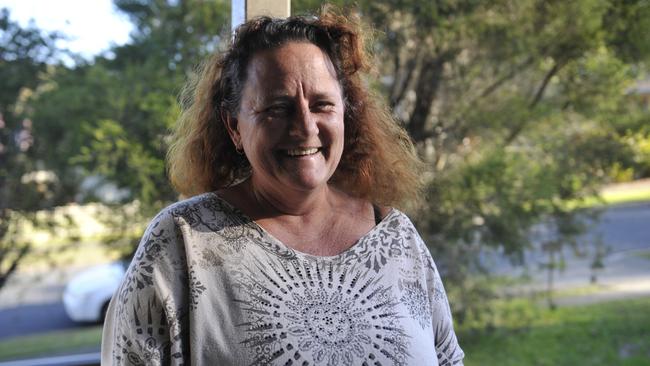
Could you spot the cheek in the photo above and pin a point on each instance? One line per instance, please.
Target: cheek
(255, 133)
(338, 140)
(340, 131)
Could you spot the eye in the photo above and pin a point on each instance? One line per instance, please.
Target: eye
(323, 106)
(279, 109)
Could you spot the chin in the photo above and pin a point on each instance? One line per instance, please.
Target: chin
(306, 183)
(307, 186)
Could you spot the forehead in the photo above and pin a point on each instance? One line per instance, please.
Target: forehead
(290, 65)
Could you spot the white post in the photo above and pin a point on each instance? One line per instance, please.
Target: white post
(237, 14)
(243, 10)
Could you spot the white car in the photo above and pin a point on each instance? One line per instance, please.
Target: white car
(88, 293)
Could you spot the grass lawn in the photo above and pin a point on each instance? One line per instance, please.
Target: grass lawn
(615, 195)
(613, 333)
(645, 254)
(53, 343)
(625, 197)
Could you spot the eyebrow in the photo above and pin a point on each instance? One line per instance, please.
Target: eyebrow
(281, 96)
(322, 95)
(277, 97)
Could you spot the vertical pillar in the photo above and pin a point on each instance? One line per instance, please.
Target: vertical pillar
(243, 10)
(237, 14)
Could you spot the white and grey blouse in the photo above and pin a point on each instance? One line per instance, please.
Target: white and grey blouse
(208, 286)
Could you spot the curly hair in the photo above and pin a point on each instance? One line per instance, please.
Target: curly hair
(379, 162)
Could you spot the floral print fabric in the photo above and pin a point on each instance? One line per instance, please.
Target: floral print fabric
(208, 286)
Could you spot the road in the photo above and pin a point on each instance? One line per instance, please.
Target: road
(32, 303)
(624, 230)
(626, 227)
(33, 318)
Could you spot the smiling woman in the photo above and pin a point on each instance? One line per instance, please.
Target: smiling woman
(377, 152)
(290, 122)
(288, 253)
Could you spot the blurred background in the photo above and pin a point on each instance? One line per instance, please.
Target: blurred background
(533, 117)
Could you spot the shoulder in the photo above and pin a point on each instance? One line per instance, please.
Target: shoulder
(395, 219)
(167, 230)
(196, 211)
(401, 226)
(395, 237)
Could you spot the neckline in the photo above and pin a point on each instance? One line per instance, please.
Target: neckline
(268, 236)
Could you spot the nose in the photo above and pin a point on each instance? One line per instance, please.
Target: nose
(303, 123)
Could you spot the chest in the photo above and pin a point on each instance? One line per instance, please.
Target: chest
(272, 311)
(326, 238)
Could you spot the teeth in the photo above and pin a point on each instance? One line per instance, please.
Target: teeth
(301, 152)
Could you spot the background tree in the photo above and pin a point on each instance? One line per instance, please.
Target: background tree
(518, 107)
(24, 57)
(111, 116)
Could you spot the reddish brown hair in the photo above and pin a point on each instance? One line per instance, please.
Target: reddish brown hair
(379, 162)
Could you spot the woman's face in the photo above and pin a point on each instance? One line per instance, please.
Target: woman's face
(290, 121)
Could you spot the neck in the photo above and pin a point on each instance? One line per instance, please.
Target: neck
(273, 203)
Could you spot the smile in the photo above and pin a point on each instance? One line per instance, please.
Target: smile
(302, 152)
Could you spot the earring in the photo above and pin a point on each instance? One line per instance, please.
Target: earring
(240, 150)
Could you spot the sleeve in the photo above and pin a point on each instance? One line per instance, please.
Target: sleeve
(143, 324)
(446, 343)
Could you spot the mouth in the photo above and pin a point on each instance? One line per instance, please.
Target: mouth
(302, 151)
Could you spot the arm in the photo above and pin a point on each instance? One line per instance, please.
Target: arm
(142, 325)
(446, 343)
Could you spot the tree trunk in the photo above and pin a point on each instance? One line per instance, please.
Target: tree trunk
(519, 127)
(401, 84)
(429, 82)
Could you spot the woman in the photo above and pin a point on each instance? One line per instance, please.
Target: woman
(293, 257)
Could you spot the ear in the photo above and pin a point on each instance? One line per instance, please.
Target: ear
(232, 127)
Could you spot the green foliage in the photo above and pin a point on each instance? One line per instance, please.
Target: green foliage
(639, 143)
(613, 333)
(111, 149)
(111, 117)
(628, 22)
(23, 56)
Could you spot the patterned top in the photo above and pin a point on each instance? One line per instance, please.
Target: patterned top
(208, 286)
